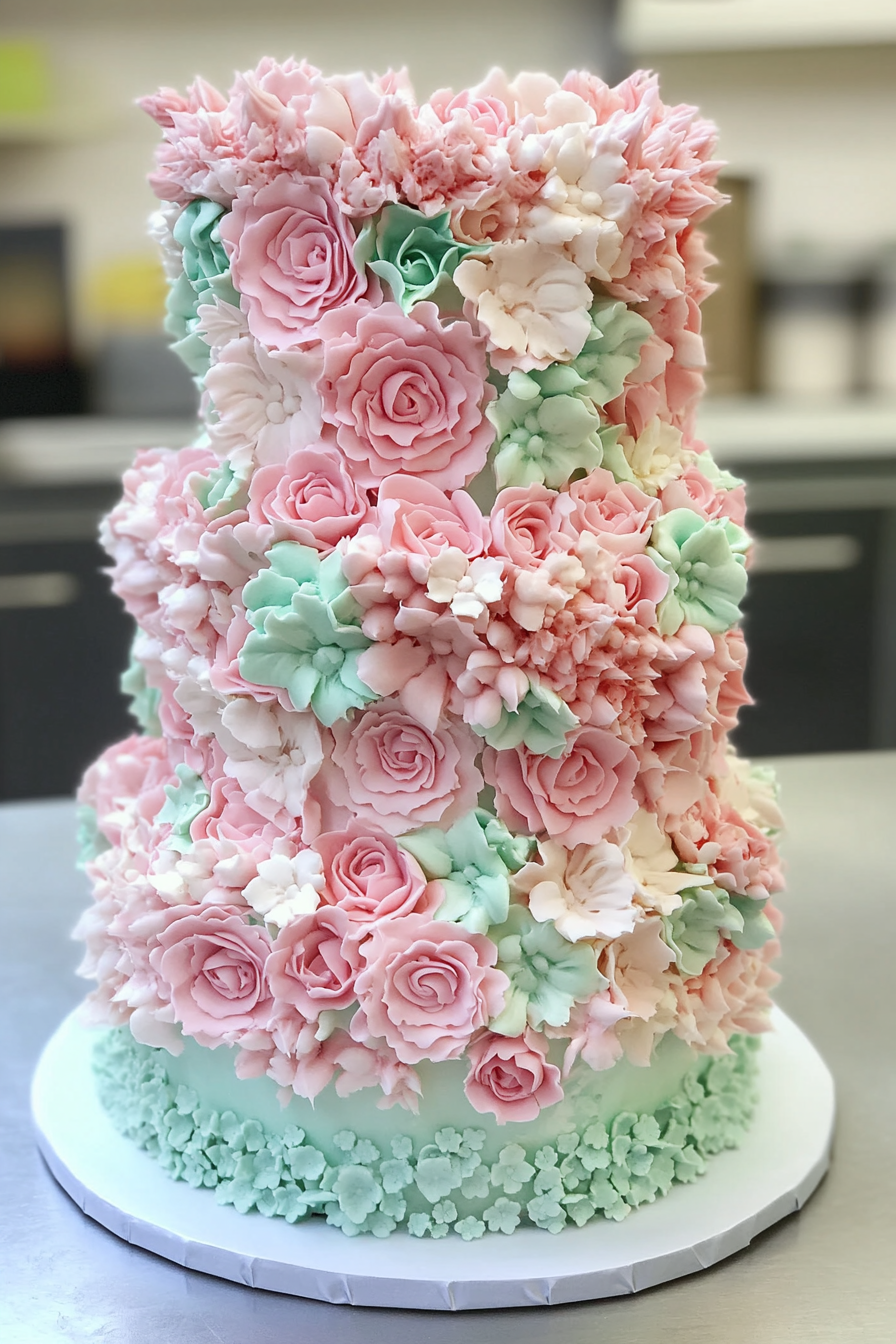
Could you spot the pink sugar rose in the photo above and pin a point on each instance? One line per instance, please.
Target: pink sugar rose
(510, 1076)
(370, 878)
(418, 521)
(692, 490)
(213, 962)
(313, 498)
(230, 817)
(576, 798)
(314, 963)
(644, 585)
(525, 524)
(406, 393)
(290, 250)
(427, 986)
(620, 515)
(388, 770)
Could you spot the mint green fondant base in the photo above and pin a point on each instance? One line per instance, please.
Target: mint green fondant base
(617, 1140)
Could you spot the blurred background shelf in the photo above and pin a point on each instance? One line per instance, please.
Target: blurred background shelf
(725, 25)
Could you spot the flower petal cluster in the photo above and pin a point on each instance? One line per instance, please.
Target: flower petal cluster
(707, 560)
(585, 892)
(547, 974)
(472, 876)
(305, 638)
(412, 253)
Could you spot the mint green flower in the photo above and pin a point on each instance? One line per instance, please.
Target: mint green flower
(757, 927)
(514, 850)
(90, 839)
(205, 277)
(473, 876)
(306, 638)
(144, 706)
(503, 1216)
(547, 974)
(358, 1192)
(540, 722)
(219, 491)
(706, 560)
(470, 1228)
(546, 429)
(511, 1171)
(184, 802)
(413, 254)
(547, 1212)
(693, 931)
(612, 350)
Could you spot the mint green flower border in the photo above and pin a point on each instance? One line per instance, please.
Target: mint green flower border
(441, 1186)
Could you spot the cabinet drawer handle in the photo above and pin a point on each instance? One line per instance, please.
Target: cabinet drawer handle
(19, 592)
(805, 555)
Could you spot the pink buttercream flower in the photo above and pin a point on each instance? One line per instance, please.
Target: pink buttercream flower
(388, 770)
(591, 1033)
(510, 1076)
(406, 394)
(525, 524)
(427, 986)
(290, 250)
(203, 145)
(643, 586)
(265, 404)
(314, 963)
(417, 523)
(576, 798)
(129, 776)
(213, 962)
(376, 1065)
(731, 995)
(693, 491)
(370, 878)
(620, 515)
(740, 857)
(458, 157)
(313, 498)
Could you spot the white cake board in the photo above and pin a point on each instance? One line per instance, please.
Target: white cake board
(781, 1161)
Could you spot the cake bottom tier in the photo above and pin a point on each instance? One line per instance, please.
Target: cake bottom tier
(619, 1138)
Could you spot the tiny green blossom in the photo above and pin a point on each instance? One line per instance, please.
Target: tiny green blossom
(358, 1192)
(547, 974)
(511, 1171)
(470, 1228)
(205, 277)
(503, 1216)
(306, 637)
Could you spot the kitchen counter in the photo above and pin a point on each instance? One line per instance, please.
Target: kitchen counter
(822, 1275)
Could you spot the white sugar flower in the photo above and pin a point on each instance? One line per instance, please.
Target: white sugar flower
(469, 587)
(286, 888)
(532, 301)
(273, 754)
(586, 891)
(266, 405)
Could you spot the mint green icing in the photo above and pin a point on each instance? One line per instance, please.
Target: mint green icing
(473, 874)
(547, 973)
(612, 350)
(446, 1180)
(413, 254)
(144, 706)
(706, 562)
(205, 277)
(89, 838)
(219, 491)
(540, 722)
(307, 636)
(184, 802)
(757, 928)
(546, 429)
(716, 475)
(514, 850)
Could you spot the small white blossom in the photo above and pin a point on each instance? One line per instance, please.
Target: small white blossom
(468, 587)
(286, 888)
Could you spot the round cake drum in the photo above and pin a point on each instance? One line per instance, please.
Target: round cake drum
(779, 1164)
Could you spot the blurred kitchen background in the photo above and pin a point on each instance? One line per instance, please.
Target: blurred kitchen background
(801, 338)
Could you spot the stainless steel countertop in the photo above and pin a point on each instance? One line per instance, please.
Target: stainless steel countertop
(824, 1275)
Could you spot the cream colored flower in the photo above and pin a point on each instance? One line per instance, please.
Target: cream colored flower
(286, 888)
(586, 891)
(532, 301)
(469, 587)
(651, 861)
(657, 456)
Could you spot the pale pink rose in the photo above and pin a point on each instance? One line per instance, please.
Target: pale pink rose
(417, 523)
(291, 259)
(678, 705)
(576, 798)
(427, 986)
(312, 499)
(132, 773)
(644, 585)
(411, 671)
(370, 878)
(406, 393)
(212, 962)
(739, 856)
(525, 524)
(620, 515)
(693, 491)
(314, 963)
(457, 156)
(229, 816)
(388, 770)
(532, 301)
(510, 1076)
